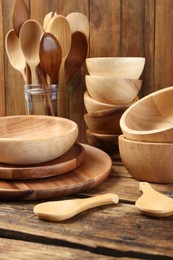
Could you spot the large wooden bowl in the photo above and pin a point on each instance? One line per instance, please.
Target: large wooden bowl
(35, 139)
(105, 142)
(93, 105)
(111, 90)
(104, 121)
(150, 118)
(147, 161)
(118, 67)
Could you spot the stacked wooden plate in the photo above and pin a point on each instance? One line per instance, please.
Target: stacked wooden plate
(32, 167)
(112, 86)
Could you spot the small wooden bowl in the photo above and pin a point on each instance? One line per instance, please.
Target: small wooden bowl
(105, 142)
(104, 121)
(111, 90)
(147, 161)
(35, 139)
(118, 67)
(93, 105)
(150, 118)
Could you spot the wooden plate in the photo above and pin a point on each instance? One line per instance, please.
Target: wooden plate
(65, 163)
(94, 170)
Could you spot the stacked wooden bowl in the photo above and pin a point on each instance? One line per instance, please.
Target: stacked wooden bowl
(146, 146)
(40, 159)
(112, 86)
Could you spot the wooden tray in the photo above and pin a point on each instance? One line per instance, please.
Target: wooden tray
(94, 170)
(65, 163)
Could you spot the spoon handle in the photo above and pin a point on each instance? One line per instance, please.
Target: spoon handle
(145, 187)
(109, 198)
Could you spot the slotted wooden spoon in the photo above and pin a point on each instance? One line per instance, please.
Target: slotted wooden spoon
(153, 203)
(20, 14)
(65, 209)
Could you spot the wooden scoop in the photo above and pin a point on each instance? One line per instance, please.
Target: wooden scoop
(153, 203)
(65, 209)
(20, 15)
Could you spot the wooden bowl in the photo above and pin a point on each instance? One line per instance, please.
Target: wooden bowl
(105, 142)
(35, 139)
(150, 118)
(93, 105)
(104, 121)
(147, 161)
(118, 67)
(111, 90)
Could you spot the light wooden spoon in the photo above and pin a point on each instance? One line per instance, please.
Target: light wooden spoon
(65, 209)
(153, 203)
(78, 22)
(20, 14)
(30, 34)
(46, 20)
(14, 53)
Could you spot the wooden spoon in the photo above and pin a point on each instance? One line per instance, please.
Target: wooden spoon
(78, 22)
(153, 203)
(30, 34)
(50, 54)
(20, 15)
(65, 209)
(77, 54)
(14, 53)
(46, 20)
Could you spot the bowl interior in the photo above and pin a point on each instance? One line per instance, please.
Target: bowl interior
(150, 113)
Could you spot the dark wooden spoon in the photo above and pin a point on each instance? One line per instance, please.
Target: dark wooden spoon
(20, 14)
(50, 54)
(77, 54)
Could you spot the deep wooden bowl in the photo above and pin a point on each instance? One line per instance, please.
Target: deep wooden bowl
(105, 142)
(93, 105)
(104, 121)
(150, 118)
(147, 161)
(118, 67)
(35, 139)
(111, 90)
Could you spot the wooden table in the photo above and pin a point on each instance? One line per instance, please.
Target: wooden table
(108, 232)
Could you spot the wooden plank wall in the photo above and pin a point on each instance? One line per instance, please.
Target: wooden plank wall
(117, 28)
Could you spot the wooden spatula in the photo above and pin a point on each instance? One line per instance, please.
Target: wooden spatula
(64, 209)
(154, 203)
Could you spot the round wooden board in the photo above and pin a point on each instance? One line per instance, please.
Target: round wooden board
(65, 163)
(95, 169)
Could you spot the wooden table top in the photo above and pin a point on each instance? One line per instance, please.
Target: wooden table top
(107, 232)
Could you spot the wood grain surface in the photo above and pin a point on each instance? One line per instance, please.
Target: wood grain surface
(95, 169)
(65, 163)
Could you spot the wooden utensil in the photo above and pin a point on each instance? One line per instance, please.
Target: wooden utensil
(65, 163)
(153, 203)
(30, 34)
(76, 56)
(95, 169)
(50, 54)
(78, 22)
(46, 20)
(65, 209)
(14, 53)
(20, 14)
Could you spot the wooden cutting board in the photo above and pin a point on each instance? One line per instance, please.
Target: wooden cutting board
(94, 170)
(65, 163)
